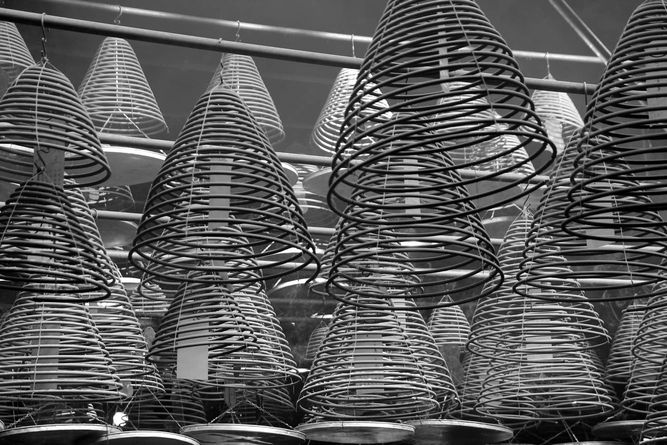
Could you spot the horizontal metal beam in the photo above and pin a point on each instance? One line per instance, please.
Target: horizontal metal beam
(121, 12)
(219, 45)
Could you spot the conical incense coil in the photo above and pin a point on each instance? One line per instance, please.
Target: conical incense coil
(626, 113)
(376, 364)
(41, 111)
(500, 321)
(239, 73)
(178, 406)
(448, 49)
(14, 54)
(116, 93)
(560, 386)
(655, 425)
(201, 315)
(53, 349)
(560, 117)
(616, 247)
(222, 175)
(249, 405)
(314, 342)
(449, 325)
(47, 240)
(620, 359)
(114, 198)
(149, 301)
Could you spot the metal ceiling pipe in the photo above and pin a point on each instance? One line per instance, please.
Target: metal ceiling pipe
(219, 45)
(118, 12)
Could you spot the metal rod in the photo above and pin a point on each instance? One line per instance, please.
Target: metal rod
(164, 16)
(583, 31)
(209, 44)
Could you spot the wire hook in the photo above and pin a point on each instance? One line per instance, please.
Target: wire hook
(44, 54)
(116, 21)
(546, 56)
(352, 41)
(237, 36)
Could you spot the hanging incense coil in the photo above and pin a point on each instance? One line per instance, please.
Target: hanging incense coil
(620, 359)
(201, 315)
(655, 425)
(562, 385)
(619, 251)
(220, 188)
(559, 115)
(501, 321)
(113, 198)
(377, 364)
(178, 406)
(14, 54)
(53, 350)
(315, 341)
(450, 50)
(149, 300)
(41, 111)
(449, 325)
(47, 240)
(116, 93)
(315, 210)
(239, 73)
(626, 117)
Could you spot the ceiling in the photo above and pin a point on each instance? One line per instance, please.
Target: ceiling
(179, 76)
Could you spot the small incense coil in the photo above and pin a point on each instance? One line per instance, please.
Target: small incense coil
(239, 73)
(560, 386)
(201, 315)
(315, 341)
(617, 247)
(377, 364)
(448, 49)
(178, 406)
(52, 349)
(115, 198)
(559, 115)
(149, 301)
(626, 114)
(220, 188)
(14, 54)
(620, 359)
(449, 325)
(42, 111)
(49, 238)
(501, 321)
(116, 93)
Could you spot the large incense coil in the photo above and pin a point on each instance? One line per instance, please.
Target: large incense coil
(201, 315)
(47, 240)
(239, 73)
(559, 115)
(620, 359)
(178, 406)
(114, 198)
(222, 175)
(500, 321)
(14, 54)
(250, 405)
(449, 50)
(42, 111)
(53, 350)
(628, 108)
(561, 386)
(655, 425)
(116, 93)
(376, 364)
(620, 245)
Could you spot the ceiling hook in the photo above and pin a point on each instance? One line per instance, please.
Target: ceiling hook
(116, 21)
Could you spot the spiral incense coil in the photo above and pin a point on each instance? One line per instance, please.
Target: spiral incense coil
(378, 365)
(620, 360)
(41, 111)
(149, 300)
(178, 406)
(626, 114)
(617, 249)
(116, 93)
(448, 50)
(449, 325)
(53, 349)
(560, 386)
(248, 405)
(14, 54)
(46, 240)
(222, 175)
(655, 425)
(114, 198)
(201, 315)
(559, 115)
(315, 341)
(239, 73)
(501, 322)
